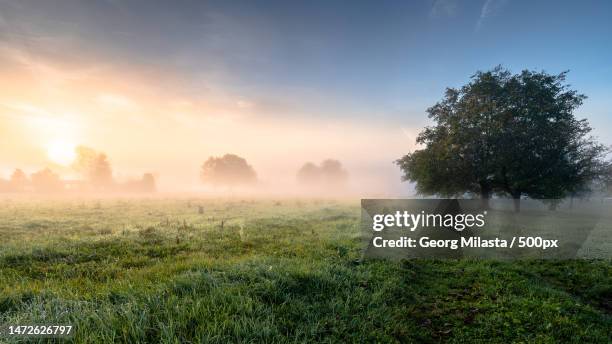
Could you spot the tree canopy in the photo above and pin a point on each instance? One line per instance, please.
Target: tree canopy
(329, 173)
(18, 180)
(229, 170)
(309, 173)
(504, 133)
(46, 181)
(93, 166)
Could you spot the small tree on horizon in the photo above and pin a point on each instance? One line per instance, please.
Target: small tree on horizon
(18, 180)
(94, 167)
(509, 134)
(333, 172)
(330, 173)
(229, 170)
(148, 182)
(309, 173)
(46, 181)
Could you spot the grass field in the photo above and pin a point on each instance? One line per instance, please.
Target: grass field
(218, 271)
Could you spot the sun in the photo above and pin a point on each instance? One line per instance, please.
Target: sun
(61, 152)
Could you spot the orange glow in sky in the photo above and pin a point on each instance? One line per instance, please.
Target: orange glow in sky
(144, 123)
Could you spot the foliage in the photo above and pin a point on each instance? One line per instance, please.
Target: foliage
(46, 181)
(512, 134)
(94, 167)
(228, 170)
(145, 184)
(309, 173)
(330, 173)
(18, 180)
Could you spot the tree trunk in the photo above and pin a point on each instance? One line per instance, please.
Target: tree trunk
(485, 196)
(517, 202)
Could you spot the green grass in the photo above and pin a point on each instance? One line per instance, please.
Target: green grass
(276, 271)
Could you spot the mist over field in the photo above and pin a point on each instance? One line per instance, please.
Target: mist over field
(74, 173)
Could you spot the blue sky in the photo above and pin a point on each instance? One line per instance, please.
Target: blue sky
(379, 63)
(383, 57)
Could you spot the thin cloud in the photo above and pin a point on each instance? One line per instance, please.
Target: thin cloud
(488, 9)
(116, 102)
(443, 8)
(245, 104)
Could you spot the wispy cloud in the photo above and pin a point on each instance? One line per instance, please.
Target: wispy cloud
(245, 104)
(116, 102)
(489, 8)
(443, 8)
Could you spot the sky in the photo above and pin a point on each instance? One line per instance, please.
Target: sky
(160, 86)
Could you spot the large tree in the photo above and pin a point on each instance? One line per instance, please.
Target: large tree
(504, 133)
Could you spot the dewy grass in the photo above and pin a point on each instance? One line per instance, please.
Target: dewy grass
(178, 270)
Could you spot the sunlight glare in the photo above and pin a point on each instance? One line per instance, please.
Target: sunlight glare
(61, 152)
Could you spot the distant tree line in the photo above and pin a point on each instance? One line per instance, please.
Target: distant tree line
(229, 171)
(96, 176)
